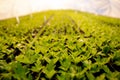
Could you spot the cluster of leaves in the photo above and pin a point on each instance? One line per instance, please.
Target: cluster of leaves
(71, 46)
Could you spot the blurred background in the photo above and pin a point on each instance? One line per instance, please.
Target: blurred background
(16, 8)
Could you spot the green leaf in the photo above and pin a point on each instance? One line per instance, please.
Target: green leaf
(24, 59)
(29, 57)
(116, 55)
(61, 77)
(90, 76)
(38, 66)
(65, 64)
(19, 71)
(106, 69)
(106, 49)
(50, 66)
(49, 70)
(49, 73)
(101, 77)
(6, 76)
(117, 63)
(87, 63)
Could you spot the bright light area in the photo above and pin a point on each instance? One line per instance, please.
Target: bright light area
(12, 8)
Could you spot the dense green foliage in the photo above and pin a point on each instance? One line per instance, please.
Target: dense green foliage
(71, 46)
